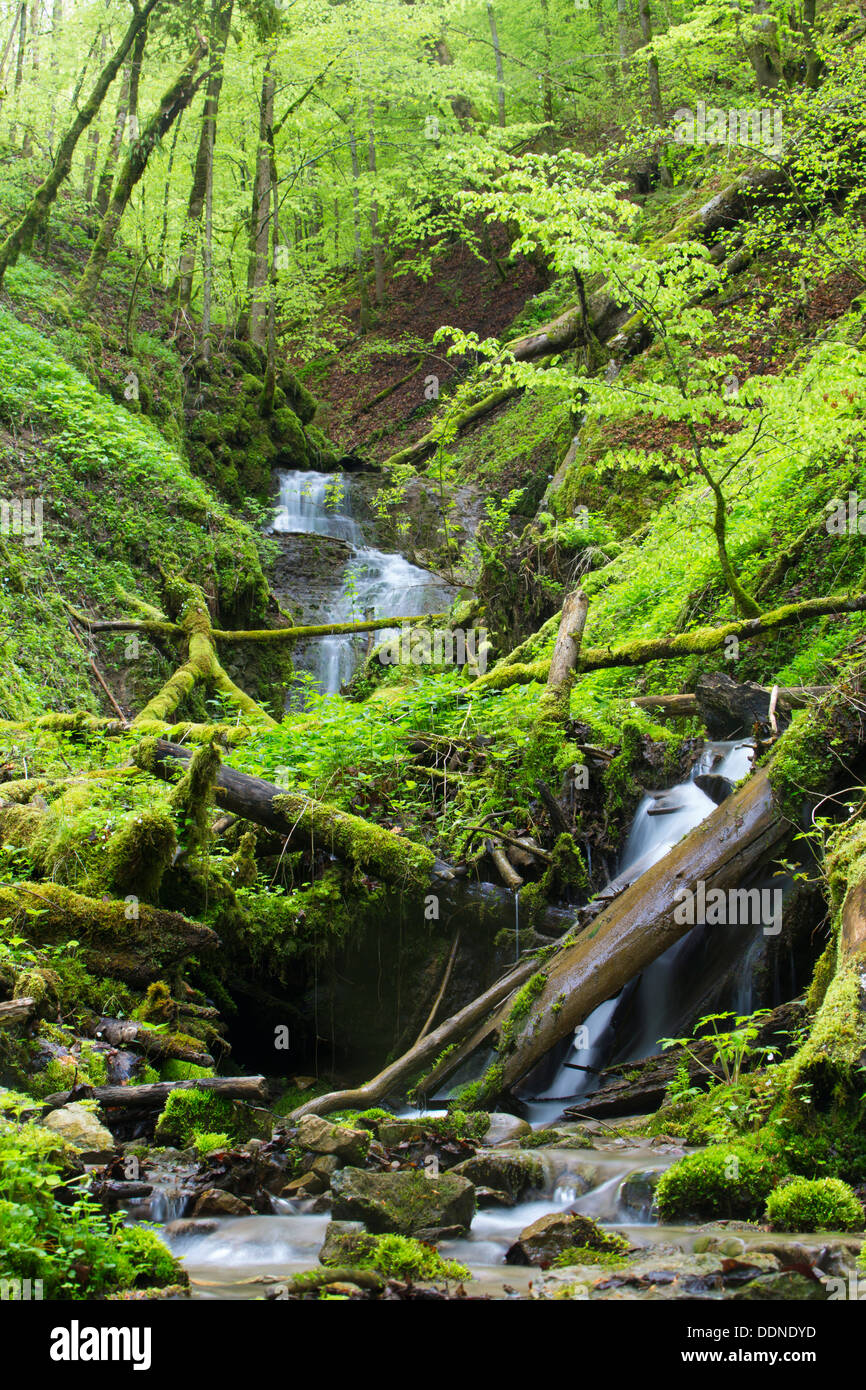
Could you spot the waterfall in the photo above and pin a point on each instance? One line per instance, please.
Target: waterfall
(372, 583)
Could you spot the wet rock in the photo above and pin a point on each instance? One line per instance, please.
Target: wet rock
(505, 1129)
(713, 785)
(80, 1127)
(733, 1246)
(318, 1135)
(637, 1193)
(402, 1202)
(434, 1235)
(307, 1185)
(214, 1202)
(345, 1243)
(393, 1132)
(323, 1165)
(540, 1242)
(507, 1176)
(837, 1258)
(657, 1276)
(191, 1226)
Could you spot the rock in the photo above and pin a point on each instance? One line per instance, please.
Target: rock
(505, 1129)
(715, 786)
(402, 1202)
(543, 1240)
(214, 1202)
(307, 1185)
(345, 1243)
(727, 1245)
(318, 1135)
(80, 1127)
(190, 1226)
(509, 1174)
(323, 1165)
(660, 1276)
(784, 1284)
(637, 1192)
(434, 1235)
(391, 1132)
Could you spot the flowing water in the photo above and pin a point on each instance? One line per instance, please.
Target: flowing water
(372, 584)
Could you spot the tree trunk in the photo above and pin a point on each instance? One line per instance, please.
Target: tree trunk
(93, 142)
(162, 1046)
(652, 62)
(124, 105)
(254, 322)
(21, 237)
(555, 703)
(497, 54)
(252, 1089)
(303, 822)
(16, 1011)
(363, 297)
(375, 242)
(220, 27)
(178, 96)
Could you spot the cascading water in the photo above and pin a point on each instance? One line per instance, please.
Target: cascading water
(660, 822)
(369, 583)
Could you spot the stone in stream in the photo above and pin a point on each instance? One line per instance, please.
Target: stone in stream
(667, 1275)
(716, 787)
(502, 1177)
(541, 1242)
(504, 1129)
(80, 1127)
(402, 1202)
(214, 1202)
(637, 1192)
(320, 1136)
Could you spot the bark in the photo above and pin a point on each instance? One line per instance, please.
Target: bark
(652, 62)
(175, 100)
(124, 101)
(303, 822)
(363, 297)
(21, 237)
(252, 1089)
(685, 706)
(16, 1011)
(555, 702)
(497, 54)
(93, 143)
(763, 48)
(254, 320)
(221, 16)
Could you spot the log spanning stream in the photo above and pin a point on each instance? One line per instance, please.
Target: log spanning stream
(611, 1181)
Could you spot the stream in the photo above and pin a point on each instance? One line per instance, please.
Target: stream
(237, 1257)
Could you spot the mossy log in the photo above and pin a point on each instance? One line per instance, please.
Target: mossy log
(130, 941)
(739, 837)
(16, 1011)
(252, 1089)
(643, 650)
(162, 1046)
(305, 823)
(685, 706)
(428, 443)
(554, 705)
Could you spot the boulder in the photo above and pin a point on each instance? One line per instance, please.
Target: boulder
(307, 1185)
(80, 1127)
(214, 1202)
(637, 1193)
(402, 1202)
(505, 1129)
(543, 1240)
(320, 1136)
(505, 1175)
(346, 1242)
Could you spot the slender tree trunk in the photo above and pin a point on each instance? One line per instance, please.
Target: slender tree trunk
(221, 16)
(56, 27)
(814, 64)
(19, 68)
(646, 29)
(207, 250)
(622, 34)
(254, 323)
(763, 47)
(497, 55)
(21, 236)
(93, 142)
(178, 96)
(106, 178)
(378, 252)
(163, 234)
(546, 84)
(364, 311)
(271, 369)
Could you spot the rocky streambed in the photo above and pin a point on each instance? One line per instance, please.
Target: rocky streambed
(453, 1207)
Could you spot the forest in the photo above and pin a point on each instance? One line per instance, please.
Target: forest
(432, 652)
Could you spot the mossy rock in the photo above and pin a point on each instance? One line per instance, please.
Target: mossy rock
(725, 1181)
(541, 1242)
(288, 432)
(299, 398)
(820, 1204)
(402, 1203)
(248, 355)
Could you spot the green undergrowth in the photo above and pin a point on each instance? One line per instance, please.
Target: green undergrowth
(394, 1257)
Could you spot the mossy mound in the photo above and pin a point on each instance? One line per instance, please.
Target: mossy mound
(727, 1181)
(822, 1204)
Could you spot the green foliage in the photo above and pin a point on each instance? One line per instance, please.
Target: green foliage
(727, 1181)
(396, 1257)
(187, 1113)
(822, 1204)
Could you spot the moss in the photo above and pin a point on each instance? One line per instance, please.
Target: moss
(186, 1112)
(823, 1204)
(728, 1181)
(613, 1258)
(192, 797)
(139, 852)
(359, 842)
(395, 1257)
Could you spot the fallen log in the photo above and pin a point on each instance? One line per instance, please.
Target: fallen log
(737, 838)
(685, 706)
(643, 650)
(16, 1011)
(130, 941)
(303, 821)
(554, 703)
(163, 1046)
(252, 1089)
